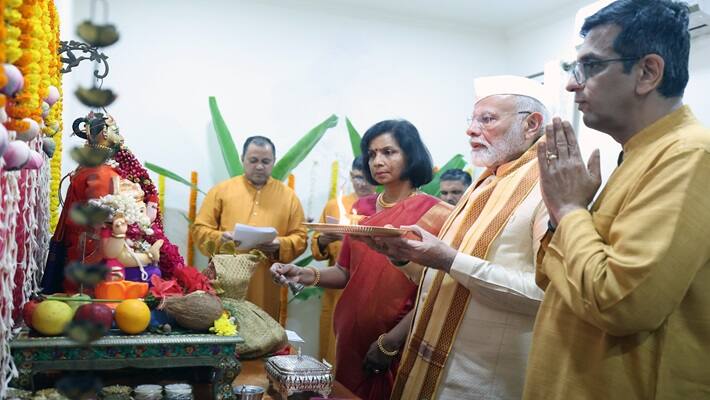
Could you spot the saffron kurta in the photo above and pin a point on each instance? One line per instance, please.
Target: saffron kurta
(626, 314)
(238, 201)
(326, 349)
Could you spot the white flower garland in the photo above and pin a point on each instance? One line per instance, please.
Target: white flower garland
(126, 205)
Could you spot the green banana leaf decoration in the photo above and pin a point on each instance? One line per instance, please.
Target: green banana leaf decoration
(170, 174)
(230, 154)
(300, 150)
(355, 138)
(432, 188)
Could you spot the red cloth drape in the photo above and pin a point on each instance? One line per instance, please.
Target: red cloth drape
(376, 298)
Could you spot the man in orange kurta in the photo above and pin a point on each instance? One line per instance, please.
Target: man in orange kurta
(327, 247)
(255, 199)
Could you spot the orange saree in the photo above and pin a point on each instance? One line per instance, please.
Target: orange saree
(378, 294)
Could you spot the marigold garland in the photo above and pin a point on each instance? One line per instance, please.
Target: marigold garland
(53, 122)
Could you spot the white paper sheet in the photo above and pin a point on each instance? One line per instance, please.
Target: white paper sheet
(294, 337)
(251, 236)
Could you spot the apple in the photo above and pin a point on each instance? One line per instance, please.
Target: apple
(96, 313)
(27, 310)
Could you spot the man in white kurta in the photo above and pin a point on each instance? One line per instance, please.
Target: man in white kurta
(478, 297)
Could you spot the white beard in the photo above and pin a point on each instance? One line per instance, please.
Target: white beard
(493, 155)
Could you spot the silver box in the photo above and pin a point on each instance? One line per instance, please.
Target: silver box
(296, 373)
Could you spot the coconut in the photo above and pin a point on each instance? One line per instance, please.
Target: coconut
(197, 311)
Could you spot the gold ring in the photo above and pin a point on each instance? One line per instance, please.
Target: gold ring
(551, 156)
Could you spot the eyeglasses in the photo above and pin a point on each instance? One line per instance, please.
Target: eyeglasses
(583, 70)
(488, 121)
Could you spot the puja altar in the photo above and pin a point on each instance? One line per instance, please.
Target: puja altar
(33, 355)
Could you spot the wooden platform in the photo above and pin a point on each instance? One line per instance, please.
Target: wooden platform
(253, 373)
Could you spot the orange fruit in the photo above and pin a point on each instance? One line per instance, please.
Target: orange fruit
(132, 316)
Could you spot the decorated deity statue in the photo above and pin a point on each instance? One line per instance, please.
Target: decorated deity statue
(123, 242)
(108, 167)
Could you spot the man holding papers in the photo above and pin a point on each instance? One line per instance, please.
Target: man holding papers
(255, 199)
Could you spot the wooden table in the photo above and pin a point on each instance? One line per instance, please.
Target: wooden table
(37, 354)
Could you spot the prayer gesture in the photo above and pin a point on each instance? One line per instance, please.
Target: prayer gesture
(567, 184)
(429, 251)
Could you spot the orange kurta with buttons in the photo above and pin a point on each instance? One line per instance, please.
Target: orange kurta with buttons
(238, 201)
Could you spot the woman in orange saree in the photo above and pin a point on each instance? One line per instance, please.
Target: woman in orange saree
(374, 313)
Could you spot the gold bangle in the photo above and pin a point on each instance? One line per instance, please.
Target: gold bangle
(316, 271)
(382, 347)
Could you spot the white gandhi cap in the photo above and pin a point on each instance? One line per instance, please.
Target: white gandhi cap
(510, 85)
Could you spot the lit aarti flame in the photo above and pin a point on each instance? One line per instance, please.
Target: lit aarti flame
(344, 219)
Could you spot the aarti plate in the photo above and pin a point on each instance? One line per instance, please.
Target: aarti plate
(356, 230)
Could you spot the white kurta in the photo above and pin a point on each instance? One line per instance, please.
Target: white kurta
(491, 348)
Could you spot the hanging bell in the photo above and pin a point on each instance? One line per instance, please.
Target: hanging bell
(95, 97)
(97, 35)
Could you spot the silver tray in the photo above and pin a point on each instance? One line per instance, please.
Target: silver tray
(297, 373)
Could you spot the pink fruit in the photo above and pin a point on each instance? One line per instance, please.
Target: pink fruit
(96, 313)
(16, 155)
(36, 160)
(53, 96)
(15, 80)
(31, 132)
(4, 138)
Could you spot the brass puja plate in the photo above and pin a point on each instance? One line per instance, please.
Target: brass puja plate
(356, 230)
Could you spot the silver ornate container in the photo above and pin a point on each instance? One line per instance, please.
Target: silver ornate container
(296, 373)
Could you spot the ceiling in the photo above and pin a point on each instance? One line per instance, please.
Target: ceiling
(506, 15)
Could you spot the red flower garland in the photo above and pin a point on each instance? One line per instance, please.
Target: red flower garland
(131, 169)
